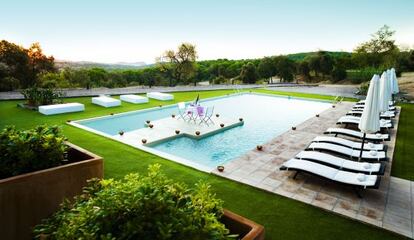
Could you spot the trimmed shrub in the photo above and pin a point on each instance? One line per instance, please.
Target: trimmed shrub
(31, 150)
(138, 207)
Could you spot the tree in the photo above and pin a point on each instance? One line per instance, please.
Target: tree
(286, 69)
(326, 63)
(380, 50)
(266, 68)
(314, 64)
(38, 62)
(17, 61)
(304, 70)
(180, 64)
(338, 74)
(248, 73)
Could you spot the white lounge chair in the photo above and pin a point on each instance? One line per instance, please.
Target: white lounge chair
(160, 96)
(377, 137)
(61, 108)
(133, 98)
(348, 143)
(385, 124)
(356, 180)
(390, 108)
(106, 101)
(348, 152)
(341, 163)
(362, 102)
(358, 113)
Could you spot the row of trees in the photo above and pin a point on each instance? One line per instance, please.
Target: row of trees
(22, 68)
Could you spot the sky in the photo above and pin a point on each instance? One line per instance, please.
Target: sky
(134, 31)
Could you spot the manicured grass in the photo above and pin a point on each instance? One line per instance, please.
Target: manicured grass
(283, 218)
(403, 163)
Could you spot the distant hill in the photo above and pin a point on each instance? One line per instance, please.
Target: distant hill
(301, 56)
(108, 66)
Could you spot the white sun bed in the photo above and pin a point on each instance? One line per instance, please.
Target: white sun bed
(133, 98)
(359, 180)
(106, 101)
(349, 143)
(160, 96)
(61, 108)
(356, 120)
(348, 152)
(341, 163)
(390, 108)
(388, 114)
(357, 134)
(362, 102)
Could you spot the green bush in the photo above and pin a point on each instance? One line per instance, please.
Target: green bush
(363, 89)
(338, 74)
(31, 150)
(41, 96)
(362, 75)
(138, 207)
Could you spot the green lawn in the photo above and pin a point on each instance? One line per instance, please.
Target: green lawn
(403, 165)
(283, 218)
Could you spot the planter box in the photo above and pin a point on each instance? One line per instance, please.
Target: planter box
(28, 198)
(247, 229)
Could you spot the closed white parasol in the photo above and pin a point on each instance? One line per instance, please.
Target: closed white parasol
(384, 92)
(370, 119)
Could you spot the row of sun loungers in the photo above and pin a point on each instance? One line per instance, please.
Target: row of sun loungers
(343, 160)
(104, 101)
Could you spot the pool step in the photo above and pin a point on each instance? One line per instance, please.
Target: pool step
(165, 129)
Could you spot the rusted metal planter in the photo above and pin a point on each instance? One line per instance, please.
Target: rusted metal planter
(28, 198)
(245, 228)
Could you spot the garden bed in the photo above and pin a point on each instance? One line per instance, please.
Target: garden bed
(28, 198)
(245, 228)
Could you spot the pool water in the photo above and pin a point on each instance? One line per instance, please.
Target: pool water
(265, 117)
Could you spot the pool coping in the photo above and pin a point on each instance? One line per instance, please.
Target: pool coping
(171, 157)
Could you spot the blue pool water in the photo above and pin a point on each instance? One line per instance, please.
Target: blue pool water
(265, 117)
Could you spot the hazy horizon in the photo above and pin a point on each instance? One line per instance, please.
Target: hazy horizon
(131, 31)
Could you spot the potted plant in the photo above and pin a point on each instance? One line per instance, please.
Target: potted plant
(147, 206)
(38, 169)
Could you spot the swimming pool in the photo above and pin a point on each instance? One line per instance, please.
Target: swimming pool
(265, 117)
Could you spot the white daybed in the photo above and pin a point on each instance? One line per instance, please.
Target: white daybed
(160, 96)
(133, 98)
(61, 108)
(106, 101)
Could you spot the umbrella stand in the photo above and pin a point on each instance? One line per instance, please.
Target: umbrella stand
(362, 147)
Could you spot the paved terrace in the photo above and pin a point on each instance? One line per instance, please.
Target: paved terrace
(389, 207)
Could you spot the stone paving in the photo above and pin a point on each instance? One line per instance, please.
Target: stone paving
(390, 207)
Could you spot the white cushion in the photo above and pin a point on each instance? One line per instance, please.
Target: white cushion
(366, 165)
(361, 177)
(133, 98)
(105, 101)
(61, 108)
(160, 96)
(373, 153)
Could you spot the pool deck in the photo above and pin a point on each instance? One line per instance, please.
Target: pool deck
(389, 207)
(165, 129)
